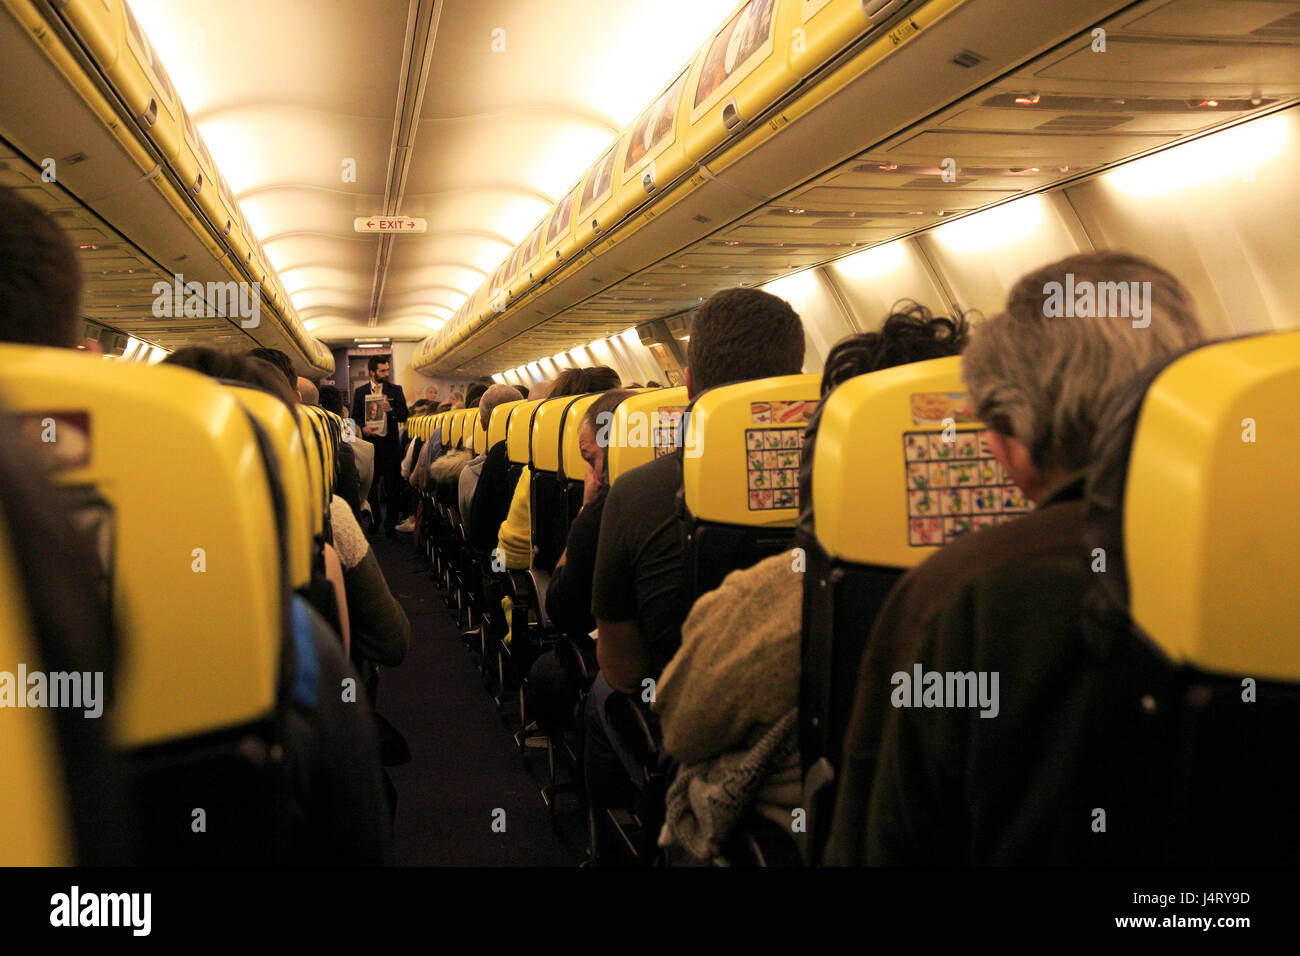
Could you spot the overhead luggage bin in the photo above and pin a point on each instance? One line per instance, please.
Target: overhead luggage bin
(598, 204)
(557, 241)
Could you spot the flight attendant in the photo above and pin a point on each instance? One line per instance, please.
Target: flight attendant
(381, 429)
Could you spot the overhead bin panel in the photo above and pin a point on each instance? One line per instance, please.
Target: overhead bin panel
(598, 205)
(558, 244)
(128, 63)
(655, 152)
(742, 70)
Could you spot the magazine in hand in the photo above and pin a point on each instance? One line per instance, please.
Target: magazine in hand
(375, 414)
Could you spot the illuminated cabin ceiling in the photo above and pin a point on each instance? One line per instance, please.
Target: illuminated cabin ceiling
(1165, 58)
(520, 98)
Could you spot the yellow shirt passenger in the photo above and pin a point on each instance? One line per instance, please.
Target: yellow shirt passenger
(516, 536)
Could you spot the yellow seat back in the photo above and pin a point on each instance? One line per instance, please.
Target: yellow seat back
(35, 823)
(520, 431)
(646, 426)
(741, 461)
(544, 442)
(891, 482)
(311, 440)
(498, 426)
(573, 467)
(1211, 513)
(445, 419)
(479, 440)
(281, 427)
(187, 527)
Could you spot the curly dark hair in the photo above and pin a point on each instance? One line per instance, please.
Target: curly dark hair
(910, 333)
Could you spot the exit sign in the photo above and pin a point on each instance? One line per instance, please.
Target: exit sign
(390, 224)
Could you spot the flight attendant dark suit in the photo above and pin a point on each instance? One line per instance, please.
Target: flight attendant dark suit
(388, 451)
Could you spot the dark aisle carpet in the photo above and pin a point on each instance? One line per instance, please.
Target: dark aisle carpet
(464, 762)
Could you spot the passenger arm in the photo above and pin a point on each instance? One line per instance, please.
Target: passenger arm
(621, 654)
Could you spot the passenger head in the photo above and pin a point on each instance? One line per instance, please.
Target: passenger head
(742, 334)
(523, 391)
(431, 394)
(473, 394)
(582, 381)
(593, 433)
(653, 384)
(307, 392)
(1041, 378)
(541, 390)
(234, 368)
(494, 396)
(380, 368)
(909, 334)
(280, 361)
(40, 277)
(331, 399)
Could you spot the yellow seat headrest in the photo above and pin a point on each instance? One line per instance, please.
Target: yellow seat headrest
(286, 437)
(741, 461)
(498, 427)
(646, 426)
(187, 528)
(901, 467)
(520, 430)
(1211, 512)
(544, 443)
(573, 467)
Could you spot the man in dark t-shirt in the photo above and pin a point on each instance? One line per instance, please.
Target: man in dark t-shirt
(736, 335)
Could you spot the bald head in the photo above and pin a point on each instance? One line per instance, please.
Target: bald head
(542, 389)
(307, 393)
(494, 396)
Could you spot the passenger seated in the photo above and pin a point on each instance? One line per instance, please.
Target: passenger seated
(552, 689)
(354, 449)
(516, 536)
(495, 490)
(469, 478)
(280, 361)
(40, 277)
(940, 785)
(737, 335)
(728, 699)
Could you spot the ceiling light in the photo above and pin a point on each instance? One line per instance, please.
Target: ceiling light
(1030, 100)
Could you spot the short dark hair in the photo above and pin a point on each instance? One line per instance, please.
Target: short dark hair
(473, 394)
(331, 399)
(248, 369)
(582, 381)
(40, 276)
(280, 361)
(743, 334)
(378, 360)
(909, 334)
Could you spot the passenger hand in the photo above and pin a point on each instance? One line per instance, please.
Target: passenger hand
(590, 486)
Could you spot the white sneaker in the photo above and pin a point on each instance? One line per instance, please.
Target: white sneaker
(407, 526)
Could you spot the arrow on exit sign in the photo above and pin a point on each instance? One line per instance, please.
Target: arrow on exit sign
(404, 224)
